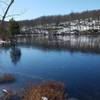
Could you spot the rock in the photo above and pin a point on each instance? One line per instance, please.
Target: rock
(44, 98)
(4, 91)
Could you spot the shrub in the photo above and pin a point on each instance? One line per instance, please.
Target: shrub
(50, 90)
(6, 78)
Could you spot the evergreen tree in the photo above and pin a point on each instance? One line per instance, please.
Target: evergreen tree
(13, 27)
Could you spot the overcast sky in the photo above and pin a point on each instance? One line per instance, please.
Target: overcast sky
(30, 9)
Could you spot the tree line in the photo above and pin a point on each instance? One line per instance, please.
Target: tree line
(56, 19)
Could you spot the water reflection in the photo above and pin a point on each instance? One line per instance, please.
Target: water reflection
(15, 54)
(71, 43)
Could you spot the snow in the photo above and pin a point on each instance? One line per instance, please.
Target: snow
(64, 27)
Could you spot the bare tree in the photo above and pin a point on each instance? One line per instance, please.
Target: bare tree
(5, 13)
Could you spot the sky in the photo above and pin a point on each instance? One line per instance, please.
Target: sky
(31, 9)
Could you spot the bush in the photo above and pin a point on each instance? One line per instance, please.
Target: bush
(6, 78)
(47, 90)
(50, 90)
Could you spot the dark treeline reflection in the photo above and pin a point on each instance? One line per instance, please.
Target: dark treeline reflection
(15, 54)
(72, 43)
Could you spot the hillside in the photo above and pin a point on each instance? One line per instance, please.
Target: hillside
(64, 24)
(87, 22)
(94, 14)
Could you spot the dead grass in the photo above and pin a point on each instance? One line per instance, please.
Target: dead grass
(6, 78)
(50, 90)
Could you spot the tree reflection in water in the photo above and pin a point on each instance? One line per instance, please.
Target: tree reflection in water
(15, 54)
(82, 43)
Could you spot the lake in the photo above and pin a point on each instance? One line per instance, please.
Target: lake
(73, 60)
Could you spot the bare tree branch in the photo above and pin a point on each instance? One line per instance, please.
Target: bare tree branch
(12, 15)
(5, 13)
(4, 2)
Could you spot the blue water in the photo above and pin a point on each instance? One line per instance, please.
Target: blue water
(79, 71)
